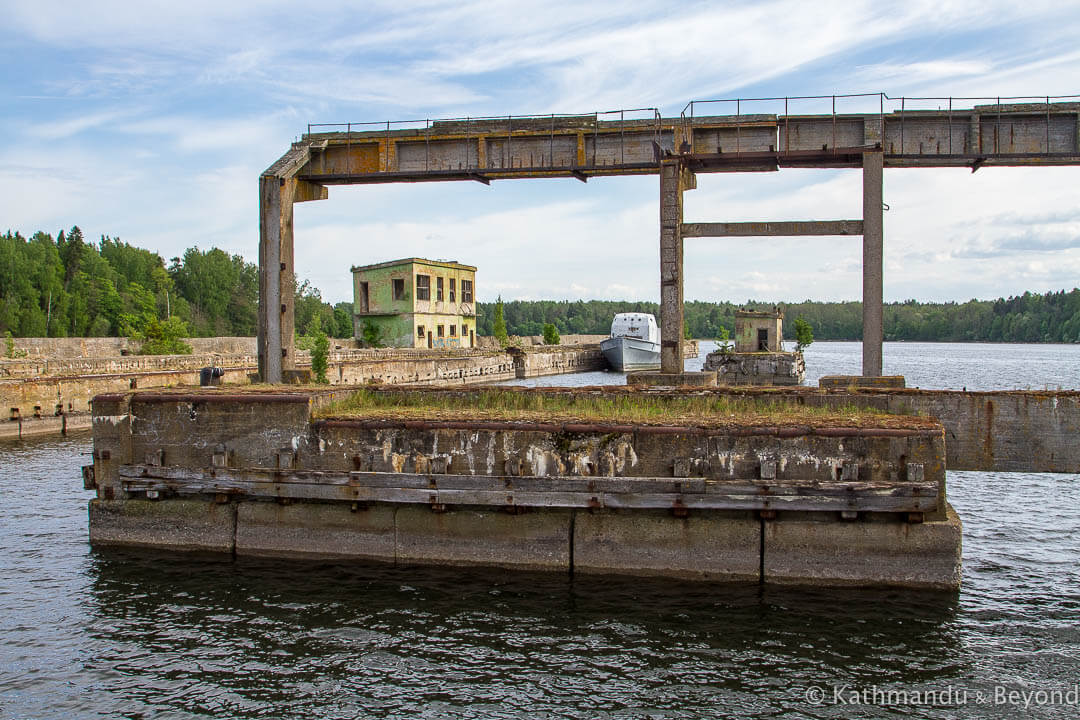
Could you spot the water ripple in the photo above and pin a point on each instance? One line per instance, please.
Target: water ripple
(141, 635)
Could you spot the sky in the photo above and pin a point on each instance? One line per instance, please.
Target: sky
(151, 122)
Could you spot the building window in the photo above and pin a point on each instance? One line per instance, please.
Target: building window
(399, 289)
(440, 329)
(423, 287)
(453, 331)
(439, 289)
(466, 291)
(363, 297)
(420, 331)
(452, 288)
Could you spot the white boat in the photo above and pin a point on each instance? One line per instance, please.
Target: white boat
(634, 343)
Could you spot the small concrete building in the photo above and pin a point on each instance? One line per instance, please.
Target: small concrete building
(758, 357)
(759, 331)
(415, 303)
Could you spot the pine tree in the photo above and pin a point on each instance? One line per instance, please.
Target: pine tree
(499, 325)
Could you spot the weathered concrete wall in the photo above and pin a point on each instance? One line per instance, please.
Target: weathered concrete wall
(1007, 430)
(55, 348)
(174, 525)
(127, 364)
(756, 368)
(690, 347)
(231, 345)
(655, 379)
(488, 342)
(44, 425)
(250, 473)
(803, 551)
(556, 360)
(63, 394)
(425, 368)
(747, 324)
(71, 383)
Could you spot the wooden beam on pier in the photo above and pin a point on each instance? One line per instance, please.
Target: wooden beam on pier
(583, 492)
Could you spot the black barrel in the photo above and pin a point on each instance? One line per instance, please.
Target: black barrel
(210, 376)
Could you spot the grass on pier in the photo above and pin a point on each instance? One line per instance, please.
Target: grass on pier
(635, 408)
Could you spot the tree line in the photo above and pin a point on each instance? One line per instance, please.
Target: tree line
(1031, 317)
(70, 287)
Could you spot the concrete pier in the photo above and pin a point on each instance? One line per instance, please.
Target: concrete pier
(280, 474)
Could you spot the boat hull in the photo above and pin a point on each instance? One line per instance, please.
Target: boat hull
(625, 354)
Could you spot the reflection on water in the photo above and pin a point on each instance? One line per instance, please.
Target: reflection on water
(250, 636)
(146, 635)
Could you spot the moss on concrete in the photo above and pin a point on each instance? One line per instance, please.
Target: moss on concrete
(701, 409)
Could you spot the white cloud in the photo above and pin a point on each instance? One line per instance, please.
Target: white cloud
(167, 112)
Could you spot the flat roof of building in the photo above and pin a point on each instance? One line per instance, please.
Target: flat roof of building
(454, 264)
(769, 314)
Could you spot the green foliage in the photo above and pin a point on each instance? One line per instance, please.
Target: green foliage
(551, 334)
(10, 350)
(498, 325)
(1031, 317)
(320, 349)
(371, 335)
(723, 341)
(804, 334)
(69, 287)
(221, 292)
(311, 312)
(343, 326)
(98, 328)
(163, 337)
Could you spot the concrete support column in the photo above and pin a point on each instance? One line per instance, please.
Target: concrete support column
(873, 271)
(276, 291)
(671, 266)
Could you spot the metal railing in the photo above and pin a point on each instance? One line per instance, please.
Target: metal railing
(503, 127)
(513, 128)
(864, 104)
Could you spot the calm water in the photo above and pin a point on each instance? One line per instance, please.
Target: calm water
(88, 634)
(950, 366)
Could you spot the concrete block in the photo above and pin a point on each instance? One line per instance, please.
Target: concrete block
(175, 524)
(714, 546)
(650, 378)
(534, 540)
(876, 381)
(315, 530)
(826, 552)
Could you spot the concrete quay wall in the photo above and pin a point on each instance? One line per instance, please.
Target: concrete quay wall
(56, 348)
(1004, 430)
(67, 386)
(1010, 431)
(559, 361)
(252, 473)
